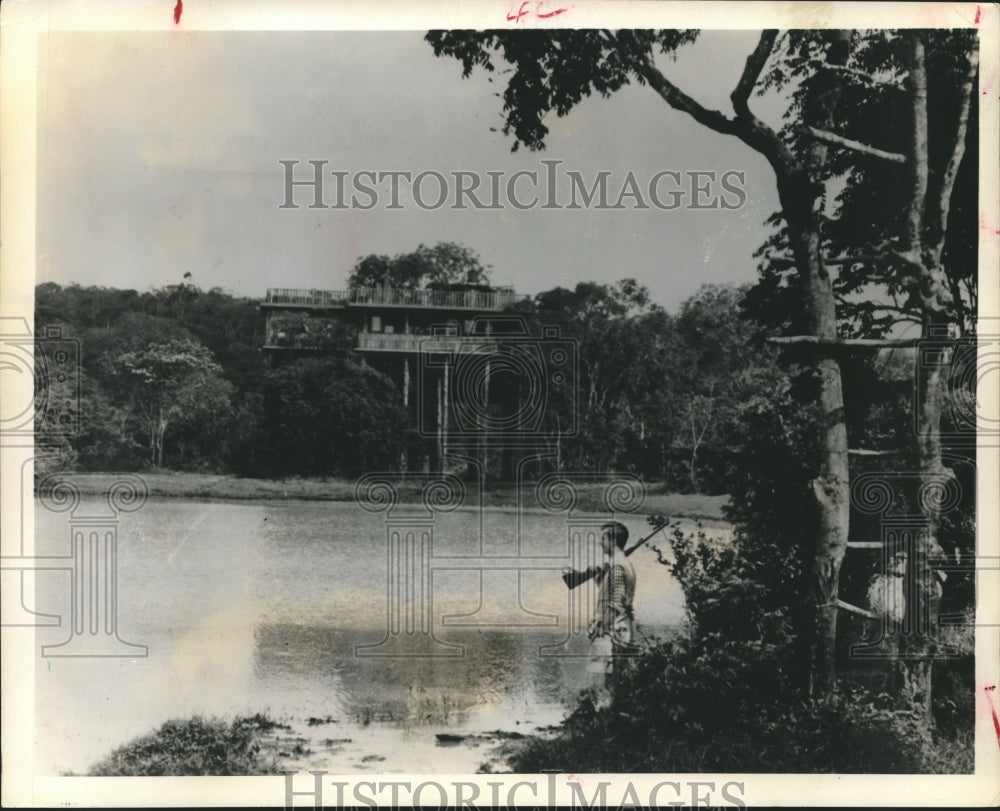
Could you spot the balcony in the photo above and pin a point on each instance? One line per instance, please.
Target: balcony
(279, 296)
(390, 342)
(496, 299)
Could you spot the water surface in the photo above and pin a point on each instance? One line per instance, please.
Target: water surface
(261, 607)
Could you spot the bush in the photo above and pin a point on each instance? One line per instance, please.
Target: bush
(729, 708)
(193, 747)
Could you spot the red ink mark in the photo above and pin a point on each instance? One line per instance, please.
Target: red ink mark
(521, 12)
(993, 710)
(979, 13)
(541, 10)
(178, 10)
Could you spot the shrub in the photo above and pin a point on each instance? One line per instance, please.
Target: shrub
(193, 747)
(694, 708)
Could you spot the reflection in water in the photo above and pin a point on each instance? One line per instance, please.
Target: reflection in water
(499, 669)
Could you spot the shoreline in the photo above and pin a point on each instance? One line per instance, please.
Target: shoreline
(222, 487)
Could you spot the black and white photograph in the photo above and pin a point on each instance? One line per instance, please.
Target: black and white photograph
(507, 404)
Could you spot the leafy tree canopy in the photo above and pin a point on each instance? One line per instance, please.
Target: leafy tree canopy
(445, 263)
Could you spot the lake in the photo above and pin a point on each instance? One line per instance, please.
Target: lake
(279, 607)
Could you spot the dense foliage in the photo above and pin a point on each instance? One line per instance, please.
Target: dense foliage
(445, 263)
(175, 378)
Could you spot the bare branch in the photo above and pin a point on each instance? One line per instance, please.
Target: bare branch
(845, 343)
(857, 259)
(673, 95)
(747, 127)
(958, 146)
(857, 146)
(858, 74)
(834, 261)
(751, 71)
(679, 100)
(918, 144)
(855, 610)
(885, 254)
(782, 261)
(908, 314)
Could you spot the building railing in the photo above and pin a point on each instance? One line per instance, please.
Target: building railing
(309, 298)
(495, 299)
(405, 342)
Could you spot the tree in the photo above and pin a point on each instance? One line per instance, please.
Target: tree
(618, 335)
(332, 417)
(110, 323)
(902, 229)
(445, 263)
(717, 365)
(171, 382)
(554, 70)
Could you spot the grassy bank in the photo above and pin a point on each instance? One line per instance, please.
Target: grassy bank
(215, 486)
(197, 746)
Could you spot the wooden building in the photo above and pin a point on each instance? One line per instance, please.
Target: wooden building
(414, 337)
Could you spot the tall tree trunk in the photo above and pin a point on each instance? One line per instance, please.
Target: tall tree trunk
(692, 470)
(831, 487)
(920, 621)
(801, 205)
(923, 251)
(160, 431)
(803, 209)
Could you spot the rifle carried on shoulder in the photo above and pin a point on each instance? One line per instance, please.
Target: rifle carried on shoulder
(573, 578)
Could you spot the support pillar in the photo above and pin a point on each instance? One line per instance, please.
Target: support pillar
(404, 462)
(444, 422)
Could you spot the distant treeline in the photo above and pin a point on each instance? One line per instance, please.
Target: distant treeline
(176, 378)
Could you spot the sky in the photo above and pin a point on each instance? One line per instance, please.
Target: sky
(159, 152)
